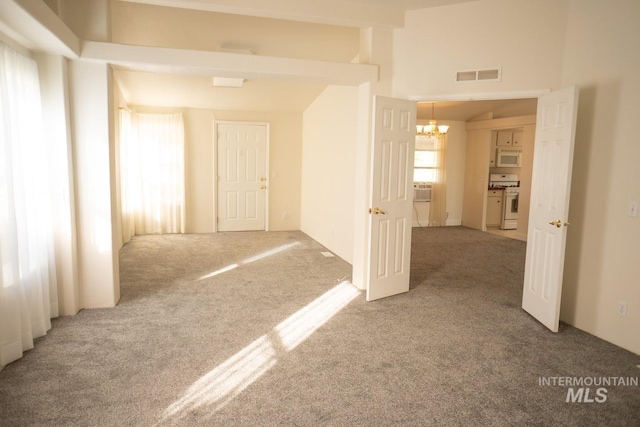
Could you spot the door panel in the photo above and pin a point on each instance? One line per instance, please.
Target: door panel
(391, 194)
(403, 172)
(548, 213)
(242, 173)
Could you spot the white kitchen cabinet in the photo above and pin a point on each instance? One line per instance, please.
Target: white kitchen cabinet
(504, 138)
(509, 138)
(494, 208)
(517, 138)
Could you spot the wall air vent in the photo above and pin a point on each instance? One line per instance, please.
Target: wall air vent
(486, 75)
(466, 76)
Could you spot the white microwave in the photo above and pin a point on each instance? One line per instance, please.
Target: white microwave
(508, 157)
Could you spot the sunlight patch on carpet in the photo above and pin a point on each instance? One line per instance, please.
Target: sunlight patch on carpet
(222, 384)
(220, 271)
(254, 258)
(270, 252)
(300, 325)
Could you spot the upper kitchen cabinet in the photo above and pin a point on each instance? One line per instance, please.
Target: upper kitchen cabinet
(506, 138)
(509, 138)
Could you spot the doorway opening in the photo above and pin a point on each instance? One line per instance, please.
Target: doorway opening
(471, 147)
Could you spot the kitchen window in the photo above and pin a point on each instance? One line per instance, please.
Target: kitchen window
(425, 161)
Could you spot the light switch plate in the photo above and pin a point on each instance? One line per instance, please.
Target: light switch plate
(633, 208)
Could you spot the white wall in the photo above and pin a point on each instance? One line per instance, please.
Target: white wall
(328, 173)
(456, 150)
(199, 183)
(121, 231)
(91, 96)
(525, 38)
(603, 245)
(421, 211)
(475, 178)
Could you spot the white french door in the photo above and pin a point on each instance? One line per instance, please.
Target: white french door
(242, 172)
(391, 197)
(548, 214)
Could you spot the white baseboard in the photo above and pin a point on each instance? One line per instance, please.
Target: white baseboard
(449, 223)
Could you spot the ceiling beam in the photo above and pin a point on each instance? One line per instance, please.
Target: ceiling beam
(332, 12)
(224, 64)
(38, 28)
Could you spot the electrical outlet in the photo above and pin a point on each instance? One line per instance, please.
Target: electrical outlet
(285, 215)
(622, 308)
(633, 209)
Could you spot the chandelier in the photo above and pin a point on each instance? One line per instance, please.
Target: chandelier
(432, 129)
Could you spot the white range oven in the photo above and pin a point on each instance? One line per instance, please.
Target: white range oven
(511, 185)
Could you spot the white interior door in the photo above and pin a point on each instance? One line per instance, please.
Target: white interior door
(242, 176)
(391, 197)
(548, 214)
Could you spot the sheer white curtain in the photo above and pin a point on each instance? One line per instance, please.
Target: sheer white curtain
(152, 173)
(438, 208)
(28, 288)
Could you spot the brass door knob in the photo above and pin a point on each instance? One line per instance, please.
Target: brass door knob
(262, 187)
(558, 223)
(377, 211)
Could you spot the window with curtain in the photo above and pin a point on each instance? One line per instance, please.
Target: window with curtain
(425, 164)
(28, 288)
(152, 173)
(429, 166)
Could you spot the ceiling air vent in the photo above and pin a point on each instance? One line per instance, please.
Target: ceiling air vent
(488, 75)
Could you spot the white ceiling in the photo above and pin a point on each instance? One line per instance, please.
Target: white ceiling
(248, 4)
(186, 91)
(350, 13)
(407, 4)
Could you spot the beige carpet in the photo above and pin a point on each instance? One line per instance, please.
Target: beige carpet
(259, 329)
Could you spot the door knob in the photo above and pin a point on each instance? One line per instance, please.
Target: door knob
(558, 223)
(377, 211)
(262, 187)
(263, 178)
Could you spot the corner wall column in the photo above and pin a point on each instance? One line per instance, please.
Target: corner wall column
(92, 123)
